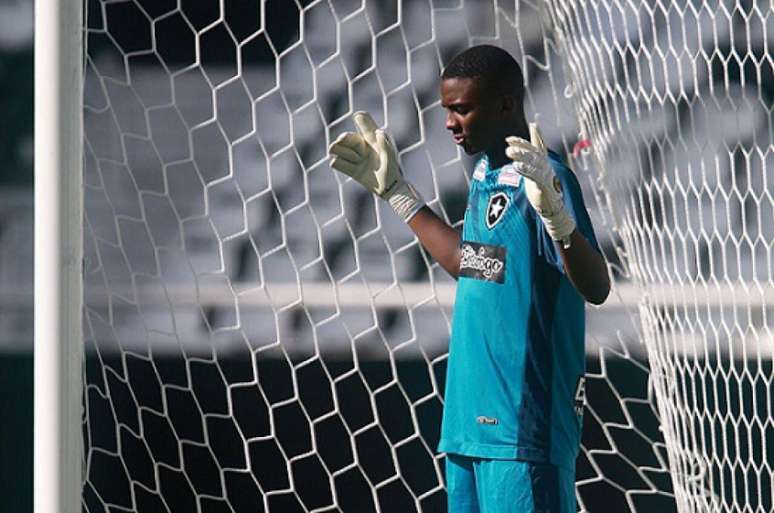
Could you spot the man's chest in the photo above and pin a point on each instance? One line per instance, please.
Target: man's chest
(497, 212)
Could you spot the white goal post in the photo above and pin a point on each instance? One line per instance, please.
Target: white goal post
(58, 289)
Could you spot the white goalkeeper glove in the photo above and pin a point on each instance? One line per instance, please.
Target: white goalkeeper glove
(370, 158)
(543, 189)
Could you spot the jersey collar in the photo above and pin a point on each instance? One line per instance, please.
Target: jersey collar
(506, 174)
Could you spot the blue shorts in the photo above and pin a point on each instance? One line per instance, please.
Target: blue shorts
(481, 485)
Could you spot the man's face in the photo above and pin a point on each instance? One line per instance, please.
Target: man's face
(474, 113)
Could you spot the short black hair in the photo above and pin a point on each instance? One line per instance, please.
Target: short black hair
(496, 67)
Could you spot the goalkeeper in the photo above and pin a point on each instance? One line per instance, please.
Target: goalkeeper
(525, 262)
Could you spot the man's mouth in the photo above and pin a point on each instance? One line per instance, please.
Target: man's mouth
(458, 138)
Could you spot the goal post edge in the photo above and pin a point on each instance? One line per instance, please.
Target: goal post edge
(58, 236)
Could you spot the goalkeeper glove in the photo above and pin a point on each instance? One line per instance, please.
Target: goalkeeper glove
(370, 158)
(543, 189)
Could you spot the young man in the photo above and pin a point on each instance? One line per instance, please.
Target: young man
(525, 261)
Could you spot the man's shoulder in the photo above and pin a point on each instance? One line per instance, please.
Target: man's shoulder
(559, 163)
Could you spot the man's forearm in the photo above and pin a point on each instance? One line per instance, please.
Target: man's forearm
(586, 269)
(439, 239)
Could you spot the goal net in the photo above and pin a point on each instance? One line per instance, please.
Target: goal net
(262, 335)
(677, 99)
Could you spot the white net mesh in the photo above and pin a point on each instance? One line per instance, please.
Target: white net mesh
(264, 336)
(677, 98)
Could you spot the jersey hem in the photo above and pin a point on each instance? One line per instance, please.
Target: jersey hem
(503, 452)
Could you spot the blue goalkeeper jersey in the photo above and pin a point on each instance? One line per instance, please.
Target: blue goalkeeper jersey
(514, 386)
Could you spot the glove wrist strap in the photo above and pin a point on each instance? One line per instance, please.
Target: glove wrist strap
(406, 201)
(560, 226)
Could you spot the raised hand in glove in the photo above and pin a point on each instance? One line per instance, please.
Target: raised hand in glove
(369, 157)
(541, 185)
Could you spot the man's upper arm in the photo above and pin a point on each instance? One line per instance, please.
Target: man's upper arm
(573, 201)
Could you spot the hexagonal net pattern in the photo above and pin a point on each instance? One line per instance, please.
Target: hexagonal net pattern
(262, 335)
(676, 98)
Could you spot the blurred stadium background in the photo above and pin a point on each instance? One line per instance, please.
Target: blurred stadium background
(231, 285)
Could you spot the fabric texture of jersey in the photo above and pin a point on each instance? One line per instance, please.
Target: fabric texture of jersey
(516, 356)
(478, 485)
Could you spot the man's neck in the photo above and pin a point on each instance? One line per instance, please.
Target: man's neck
(496, 155)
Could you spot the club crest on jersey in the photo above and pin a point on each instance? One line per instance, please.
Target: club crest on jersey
(495, 210)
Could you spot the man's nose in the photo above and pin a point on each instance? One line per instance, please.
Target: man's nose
(451, 122)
